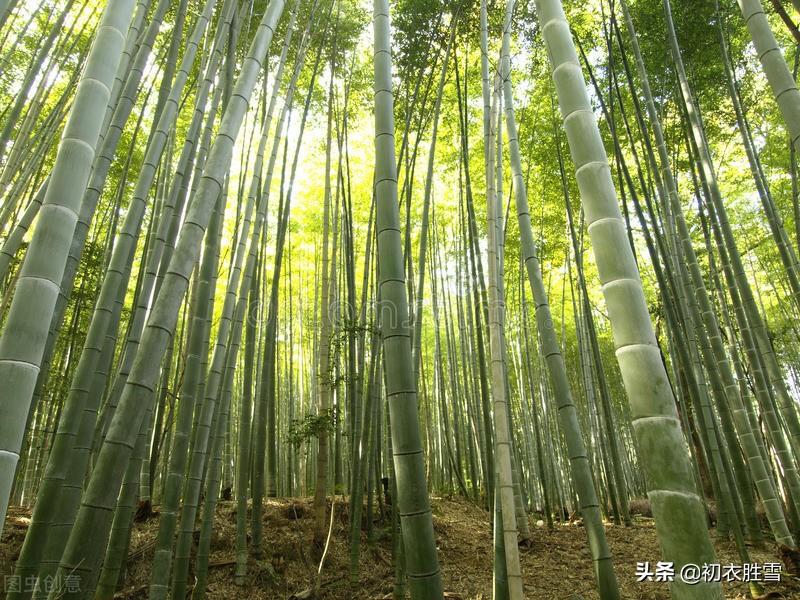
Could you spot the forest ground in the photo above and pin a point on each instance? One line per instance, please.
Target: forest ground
(556, 565)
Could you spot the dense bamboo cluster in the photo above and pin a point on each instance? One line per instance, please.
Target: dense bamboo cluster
(520, 252)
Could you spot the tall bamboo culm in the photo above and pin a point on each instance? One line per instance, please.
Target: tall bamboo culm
(678, 509)
(25, 333)
(421, 560)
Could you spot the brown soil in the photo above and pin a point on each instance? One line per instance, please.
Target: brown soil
(556, 565)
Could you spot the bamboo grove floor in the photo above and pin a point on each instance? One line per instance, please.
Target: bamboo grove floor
(556, 565)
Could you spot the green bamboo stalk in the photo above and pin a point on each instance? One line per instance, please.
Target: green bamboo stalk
(117, 551)
(93, 519)
(326, 378)
(232, 348)
(508, 574)
(200, 322)
(426, 203)
(412, 497)
(784, 87)
(260, 413)
(24, 335)
(758, 347)
(678, 510)
(245, 416)
(82, 404)
(520, 500)
(721, 365)
(567, 412)
(12, 116)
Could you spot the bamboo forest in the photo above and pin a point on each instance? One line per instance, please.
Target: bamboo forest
(388, 299)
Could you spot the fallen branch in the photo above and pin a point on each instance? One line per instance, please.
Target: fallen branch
(132, 591)
(311, 593)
